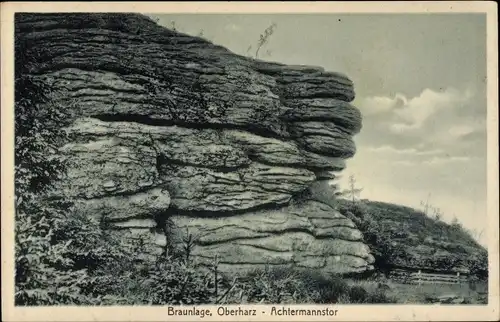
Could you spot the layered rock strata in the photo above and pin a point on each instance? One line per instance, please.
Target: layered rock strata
(167, 127)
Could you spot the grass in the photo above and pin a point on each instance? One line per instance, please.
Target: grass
(294, 286)
(408, 294)
(290, 286)
(472, 293)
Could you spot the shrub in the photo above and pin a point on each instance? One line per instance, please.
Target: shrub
(291, 285)
(478, 266)
(178, 282)
(378, 297)
(324, 288)
(273, 285)
(60, 256)
(44, 274)
(357, 294)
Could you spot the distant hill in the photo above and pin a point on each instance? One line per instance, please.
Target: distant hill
(401, 236)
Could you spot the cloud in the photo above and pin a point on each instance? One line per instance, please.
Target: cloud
(434, 141)
(388, 149)
(438, 161)
(381, 104)
(405, 163)
(435, 161)
(458, 131)
(411, 114)
(418, 110)
(449, 120)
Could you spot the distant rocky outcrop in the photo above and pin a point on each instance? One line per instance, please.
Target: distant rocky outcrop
(403, 238)
(172, 128)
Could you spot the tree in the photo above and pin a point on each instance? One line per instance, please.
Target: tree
(426, 205)
(455, 224)
(429, 210)
(353, 190)
(263, 40)
(437, 214)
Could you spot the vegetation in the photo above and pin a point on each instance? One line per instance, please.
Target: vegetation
(405, 237)
(352, 192)
(263, 40)
(464, 293)
(289, 285)
(401, 236)
(44, 272)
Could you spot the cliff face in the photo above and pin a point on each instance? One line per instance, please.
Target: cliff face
(171, 128)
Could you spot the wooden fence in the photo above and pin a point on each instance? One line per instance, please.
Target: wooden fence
(419, 277)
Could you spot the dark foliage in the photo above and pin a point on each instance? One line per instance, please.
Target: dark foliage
(44, 274)
(396, 233)
(292, 285)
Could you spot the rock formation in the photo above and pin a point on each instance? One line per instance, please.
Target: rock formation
(172, 128)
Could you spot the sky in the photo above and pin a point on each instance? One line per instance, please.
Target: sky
(420, 83)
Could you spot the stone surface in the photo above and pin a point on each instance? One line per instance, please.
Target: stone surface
(169, 127)
(141, 205)
(309, 235)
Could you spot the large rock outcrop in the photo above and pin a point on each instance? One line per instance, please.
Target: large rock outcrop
(233, 151)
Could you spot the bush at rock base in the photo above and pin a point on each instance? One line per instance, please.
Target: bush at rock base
(70, 262)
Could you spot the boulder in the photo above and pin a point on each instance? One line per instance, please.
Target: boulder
(170, 129)
(311, 235)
